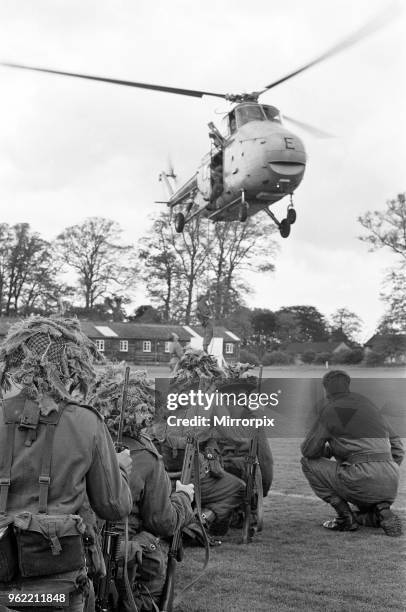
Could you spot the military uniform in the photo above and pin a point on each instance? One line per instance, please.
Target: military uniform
(83, 465)
(156, 513)
(367, 456)
(205, 317)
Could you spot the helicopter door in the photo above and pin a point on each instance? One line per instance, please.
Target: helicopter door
(216, 175)
(203, 178)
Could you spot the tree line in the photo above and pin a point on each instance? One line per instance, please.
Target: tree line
(176, 268)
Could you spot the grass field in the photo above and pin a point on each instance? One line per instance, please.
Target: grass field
(295, 564)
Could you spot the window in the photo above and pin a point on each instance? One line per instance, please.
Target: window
(100, 345)
(272, 113)
(146, 346)
(249, 112)
(124, 346)
(229, 348)
(166, 347)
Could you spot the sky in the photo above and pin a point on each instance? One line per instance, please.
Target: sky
(71, 149)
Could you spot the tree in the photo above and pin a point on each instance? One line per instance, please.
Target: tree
(192, 248)
(394, 319)
(263, 322)
(174, 266)
(146, 314)
(345, 325)
(300, 324)
(387, 229)
(235, 248)
(159, 266)
(28, 272)
(93, 250)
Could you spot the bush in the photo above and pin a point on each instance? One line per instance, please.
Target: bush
(277, 358)
(374, 358)
(341, 357)
(308, 356)
(348, 356)
(357, 355)
(248, 357)
(321, 358)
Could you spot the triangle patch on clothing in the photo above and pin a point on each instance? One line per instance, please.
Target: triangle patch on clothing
(345, 414)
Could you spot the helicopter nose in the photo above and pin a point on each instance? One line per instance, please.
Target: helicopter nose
(285, 153)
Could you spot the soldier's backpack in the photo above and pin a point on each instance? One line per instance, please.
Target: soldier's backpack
(34, 545)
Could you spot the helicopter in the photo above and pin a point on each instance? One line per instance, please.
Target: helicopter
(254, 162)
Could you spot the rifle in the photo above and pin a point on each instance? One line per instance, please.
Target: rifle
(175, 553)
(106, 596)
(253, 486)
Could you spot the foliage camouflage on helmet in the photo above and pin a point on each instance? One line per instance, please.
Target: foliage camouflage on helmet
(197, 368)
(48, 355)
(142, 400)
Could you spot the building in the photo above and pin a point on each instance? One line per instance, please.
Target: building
(392, 346)
(148, 343)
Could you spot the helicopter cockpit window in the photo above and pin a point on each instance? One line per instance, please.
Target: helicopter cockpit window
(272, 113)
(249, 112)
(232, 123)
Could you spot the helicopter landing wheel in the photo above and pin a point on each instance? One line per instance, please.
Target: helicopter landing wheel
(243, 211)
(291, 215)
(284, 228)
(179, 222)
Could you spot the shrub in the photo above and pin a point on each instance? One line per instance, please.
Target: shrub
(321, 358)
(357, 355)
(277, 358)
(308, 356)
(374, 358)
(341, 357)
(248, 357)
(348, 356)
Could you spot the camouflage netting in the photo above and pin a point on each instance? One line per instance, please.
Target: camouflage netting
(236, 372)
(198, 369)
(48, 356)
(142, 400)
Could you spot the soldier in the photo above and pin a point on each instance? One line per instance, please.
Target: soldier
(54, 455)
(156, 511)
(204, 315)
(175, 351)
(367, 456)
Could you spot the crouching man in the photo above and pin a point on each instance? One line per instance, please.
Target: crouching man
(367, 453)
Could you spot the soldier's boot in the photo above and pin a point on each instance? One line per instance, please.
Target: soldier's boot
(368, 518)
(388, 520)
(344, 521)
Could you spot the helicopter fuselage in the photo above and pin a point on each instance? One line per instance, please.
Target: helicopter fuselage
(258, 162)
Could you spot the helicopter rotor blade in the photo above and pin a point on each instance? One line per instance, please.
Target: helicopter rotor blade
(369, 28)
(308, 128)
(175, 90)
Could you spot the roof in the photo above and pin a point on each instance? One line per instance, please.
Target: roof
(219, 332)
(140, 331)
(381, 340)
(315, 347)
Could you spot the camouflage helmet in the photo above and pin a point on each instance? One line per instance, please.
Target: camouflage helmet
(48, 355)
(106, 394)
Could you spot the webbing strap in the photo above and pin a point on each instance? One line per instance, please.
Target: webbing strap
(45, 476)
(5, 472)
